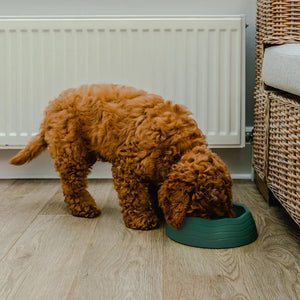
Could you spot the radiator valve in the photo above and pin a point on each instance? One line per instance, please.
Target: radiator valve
(249, 136)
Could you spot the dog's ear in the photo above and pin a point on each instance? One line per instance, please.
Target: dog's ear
(174, 199)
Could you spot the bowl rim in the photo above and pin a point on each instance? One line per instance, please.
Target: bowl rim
(221, 220)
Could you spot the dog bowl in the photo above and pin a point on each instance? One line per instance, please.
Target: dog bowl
(217, 233)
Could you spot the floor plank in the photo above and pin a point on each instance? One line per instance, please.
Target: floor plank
(5, 183)
(19, 205)
(43, 263)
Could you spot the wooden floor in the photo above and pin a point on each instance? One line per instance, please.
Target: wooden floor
(45, 253)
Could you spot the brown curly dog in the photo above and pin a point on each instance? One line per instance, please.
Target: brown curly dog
(160, 158)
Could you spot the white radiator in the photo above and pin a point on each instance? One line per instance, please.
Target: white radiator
(195, 61)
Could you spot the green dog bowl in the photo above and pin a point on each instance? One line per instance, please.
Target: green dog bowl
(217, 233)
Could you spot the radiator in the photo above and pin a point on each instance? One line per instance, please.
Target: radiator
(195, 61)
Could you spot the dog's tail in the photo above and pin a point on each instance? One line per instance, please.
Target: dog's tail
(34, 148)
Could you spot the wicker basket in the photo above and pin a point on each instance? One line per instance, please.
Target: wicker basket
(278, 22)
(276, 143)
(284, 153)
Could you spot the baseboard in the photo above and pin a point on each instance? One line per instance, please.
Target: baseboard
(237, 160)
(241, 176)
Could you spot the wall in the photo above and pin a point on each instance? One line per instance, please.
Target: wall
(238, 160)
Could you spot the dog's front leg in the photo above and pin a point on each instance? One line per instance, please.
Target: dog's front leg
(137, 208)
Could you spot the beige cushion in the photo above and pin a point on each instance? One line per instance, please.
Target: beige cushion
(281, 67)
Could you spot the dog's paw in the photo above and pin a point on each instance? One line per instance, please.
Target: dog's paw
(85, 210)
(141, 222)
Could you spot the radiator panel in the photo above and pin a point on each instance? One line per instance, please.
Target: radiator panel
(198, 62)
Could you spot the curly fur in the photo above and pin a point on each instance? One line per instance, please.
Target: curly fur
(159, 156)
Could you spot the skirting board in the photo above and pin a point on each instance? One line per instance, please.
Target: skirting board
(237, 160)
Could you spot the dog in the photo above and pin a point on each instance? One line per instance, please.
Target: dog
(161, 163)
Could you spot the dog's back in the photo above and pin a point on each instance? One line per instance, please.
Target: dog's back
(105, 117)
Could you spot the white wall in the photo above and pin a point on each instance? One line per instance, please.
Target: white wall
(238, 160)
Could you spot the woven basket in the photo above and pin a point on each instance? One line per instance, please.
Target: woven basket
(284, 153)
(276, 143)
(278, 22)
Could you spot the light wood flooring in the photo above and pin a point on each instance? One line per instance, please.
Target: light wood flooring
(45, 253)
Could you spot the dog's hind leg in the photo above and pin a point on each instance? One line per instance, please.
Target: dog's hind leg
(73, 162)
(137, 208)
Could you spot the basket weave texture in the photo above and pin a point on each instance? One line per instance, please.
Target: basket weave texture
(276, 143)
(284, 153)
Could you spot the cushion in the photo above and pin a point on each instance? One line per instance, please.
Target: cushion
(281, 68)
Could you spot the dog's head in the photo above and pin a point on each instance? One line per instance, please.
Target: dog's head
(199, 185)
